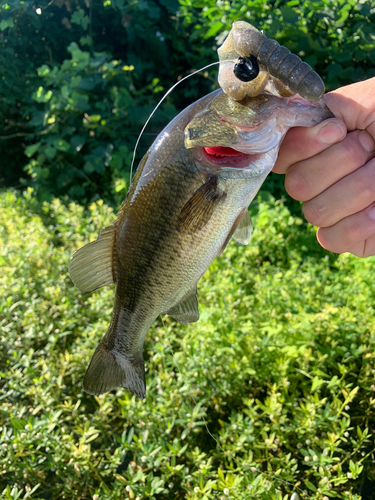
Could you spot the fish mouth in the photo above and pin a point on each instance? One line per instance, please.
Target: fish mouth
(227, 136)
(226, 157)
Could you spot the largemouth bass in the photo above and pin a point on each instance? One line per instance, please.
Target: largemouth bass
(189, 196)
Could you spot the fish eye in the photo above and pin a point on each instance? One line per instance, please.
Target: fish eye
(246, 69)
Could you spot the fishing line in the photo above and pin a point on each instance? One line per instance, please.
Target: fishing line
(158, 104)
(195, 401)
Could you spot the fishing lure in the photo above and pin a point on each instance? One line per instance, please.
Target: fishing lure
(250, 63)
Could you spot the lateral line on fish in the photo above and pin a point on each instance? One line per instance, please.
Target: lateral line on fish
(195, 401)
(158, 104)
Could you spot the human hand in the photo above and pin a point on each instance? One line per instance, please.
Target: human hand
(331, 167)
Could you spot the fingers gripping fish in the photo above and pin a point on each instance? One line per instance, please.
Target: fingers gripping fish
(188, 198)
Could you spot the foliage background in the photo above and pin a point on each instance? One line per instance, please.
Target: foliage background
(78, 78)
(280, 366)
(280, 369)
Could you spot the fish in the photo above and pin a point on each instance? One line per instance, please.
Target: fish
(189, 197)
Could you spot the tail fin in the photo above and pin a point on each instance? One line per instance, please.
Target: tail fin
(109, 369)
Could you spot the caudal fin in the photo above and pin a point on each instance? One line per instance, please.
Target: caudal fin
(109, 369)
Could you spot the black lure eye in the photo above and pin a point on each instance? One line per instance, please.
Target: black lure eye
(246, 69)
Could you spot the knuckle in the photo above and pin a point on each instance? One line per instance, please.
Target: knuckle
(297, 185)
(367, 191)
(315, 214)
(366, 181)
(352, 151)
(351, 232)
(281, 166)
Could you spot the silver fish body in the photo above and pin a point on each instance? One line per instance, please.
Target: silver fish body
(188, 198)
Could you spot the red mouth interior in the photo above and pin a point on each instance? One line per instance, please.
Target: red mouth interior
(222, 152)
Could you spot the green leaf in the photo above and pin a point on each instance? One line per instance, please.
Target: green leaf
(18, 423)
(78, 55)
(310, 486)
(316, 383)
(77, 142)
(116, 161)
(50, 152)
(214, 28)
(89, 167)
(42, 95)
(6, 23)
(44, 70)
(289, 14)
(130, 435)
(80, 18)
(32, 149)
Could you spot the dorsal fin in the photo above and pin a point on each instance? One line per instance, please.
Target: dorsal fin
(186, 311)
(243, 231)
(91, 266)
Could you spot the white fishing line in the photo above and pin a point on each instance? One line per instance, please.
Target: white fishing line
(158, 104)
(195, 401)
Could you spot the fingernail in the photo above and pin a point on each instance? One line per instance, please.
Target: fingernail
(367, 141)
(331, 133)
(371, 212)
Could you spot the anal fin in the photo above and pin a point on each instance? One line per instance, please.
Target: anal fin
(91, 266)
(186, 311)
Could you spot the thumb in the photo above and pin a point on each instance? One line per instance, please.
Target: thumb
(354, 105)
(301, 143)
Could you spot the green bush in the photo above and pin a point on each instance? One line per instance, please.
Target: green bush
(78, 79)
(271, 392)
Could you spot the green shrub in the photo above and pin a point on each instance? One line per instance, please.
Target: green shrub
(271, 392)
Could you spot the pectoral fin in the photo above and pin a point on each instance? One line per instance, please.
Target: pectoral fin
(242, 234)
(241, 230)
(186, 311)
(198, 210)
(91, 266)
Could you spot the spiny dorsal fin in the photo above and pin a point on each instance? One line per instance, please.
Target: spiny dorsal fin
(242, 234)
(91, 266)
(198, 210)
(186, 311)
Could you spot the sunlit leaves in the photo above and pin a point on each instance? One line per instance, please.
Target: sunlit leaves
(272, 388)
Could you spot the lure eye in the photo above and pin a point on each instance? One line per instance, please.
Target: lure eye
(246, 69)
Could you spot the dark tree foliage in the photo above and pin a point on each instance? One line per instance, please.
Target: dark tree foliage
(80, 77)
